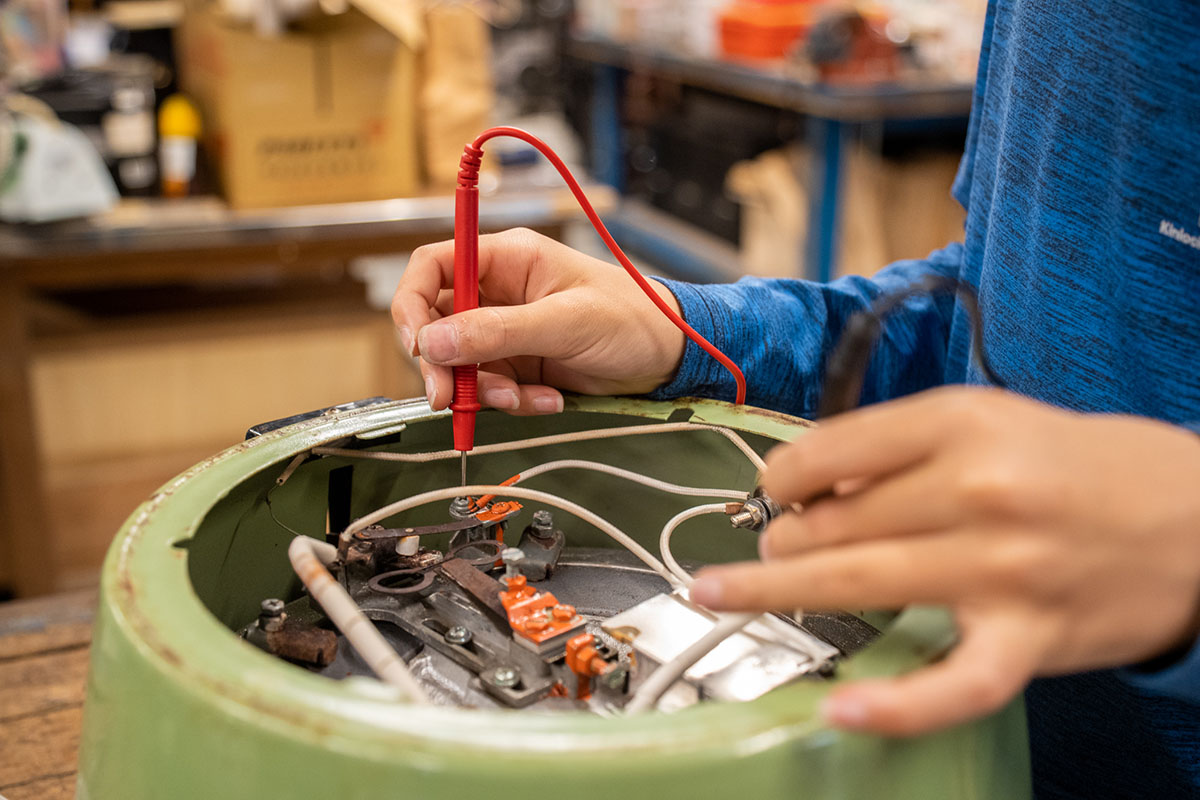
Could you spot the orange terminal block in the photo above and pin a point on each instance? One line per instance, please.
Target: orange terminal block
(539, 621)
(584, 660)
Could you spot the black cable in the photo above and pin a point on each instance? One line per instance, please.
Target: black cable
(846, 369)
(278, 521)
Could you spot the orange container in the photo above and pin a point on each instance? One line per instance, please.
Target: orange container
(765, 29)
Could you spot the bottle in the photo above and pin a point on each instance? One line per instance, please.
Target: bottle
(178, 130)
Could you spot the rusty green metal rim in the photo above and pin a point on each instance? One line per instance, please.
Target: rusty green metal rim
(147, 588)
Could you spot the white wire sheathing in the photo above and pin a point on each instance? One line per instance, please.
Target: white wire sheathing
(664, 540)
(648, 694)
(309, 558)
(521, 493)
(543, 441)
(629, 475)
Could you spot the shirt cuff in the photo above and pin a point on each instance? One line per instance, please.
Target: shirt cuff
(1176, 674)
(695, 375)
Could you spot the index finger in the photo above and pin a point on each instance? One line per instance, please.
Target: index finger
(430, 269)
(505, 262)
(929, 569)
(868, 443)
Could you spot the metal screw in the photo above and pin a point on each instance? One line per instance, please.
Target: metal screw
(745, 519)
(458, 635)
(506, 677)
(512, 558)
(460, 507)
(543, 523)
(270, 614)
(272, 607)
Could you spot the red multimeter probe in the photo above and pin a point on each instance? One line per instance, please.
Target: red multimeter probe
(466, 277)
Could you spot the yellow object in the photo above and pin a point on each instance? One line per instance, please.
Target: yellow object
(179, 116)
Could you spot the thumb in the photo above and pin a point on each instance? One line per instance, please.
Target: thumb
(493, 333)
(990, 665)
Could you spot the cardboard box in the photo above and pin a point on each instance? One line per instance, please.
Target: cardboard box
(120, 412)
(319, 115)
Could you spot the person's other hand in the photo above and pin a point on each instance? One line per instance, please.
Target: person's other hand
(1062, 542)
(550, 318)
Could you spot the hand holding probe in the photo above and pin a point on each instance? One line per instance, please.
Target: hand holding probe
(465, 404)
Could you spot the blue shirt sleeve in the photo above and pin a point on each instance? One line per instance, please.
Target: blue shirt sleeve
(1177, 677)
(779, 331)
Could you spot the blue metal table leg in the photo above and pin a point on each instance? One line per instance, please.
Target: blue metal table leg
(825, 139)
(608, 156)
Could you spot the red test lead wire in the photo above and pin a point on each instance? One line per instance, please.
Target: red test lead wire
(466, 273)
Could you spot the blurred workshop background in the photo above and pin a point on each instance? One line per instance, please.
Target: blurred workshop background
(206, 204)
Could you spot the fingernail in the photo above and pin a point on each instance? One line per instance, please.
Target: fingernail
(430, 389)
(764, 547)
(844, 711)
(548, 404)
(501, 398)
(406, 339)
(707, 591)
(439, 342)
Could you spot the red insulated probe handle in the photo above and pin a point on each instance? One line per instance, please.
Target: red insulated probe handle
(466, 293)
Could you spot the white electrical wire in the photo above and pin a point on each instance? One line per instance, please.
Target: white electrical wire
(519, 492)
(309, 558)
(636, 477)
(664, 540)
(543, 441)
(648, 694)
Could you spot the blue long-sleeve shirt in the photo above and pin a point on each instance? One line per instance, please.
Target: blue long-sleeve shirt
(1081, 182)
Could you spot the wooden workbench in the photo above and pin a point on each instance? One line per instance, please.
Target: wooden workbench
(43, 667)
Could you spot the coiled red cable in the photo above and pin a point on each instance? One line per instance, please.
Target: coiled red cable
(466, 273)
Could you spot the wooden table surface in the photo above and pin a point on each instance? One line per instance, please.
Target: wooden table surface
(43, 668)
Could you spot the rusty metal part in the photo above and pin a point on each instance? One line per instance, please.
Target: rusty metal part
(303, 642)
(424, 559)
(414, 581)
(376, 533)
(493, 514)
(359, 559)
(485, 560)
(542, 544)
(482, 588)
